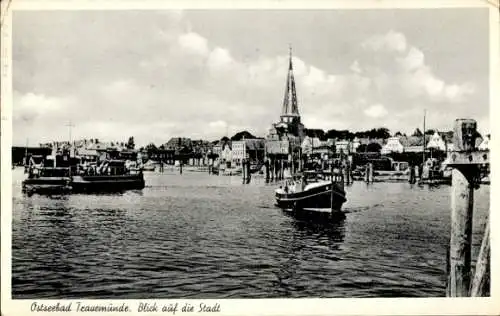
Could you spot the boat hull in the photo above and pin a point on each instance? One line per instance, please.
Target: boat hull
(87, 184)
(316, 198)
(46, 185)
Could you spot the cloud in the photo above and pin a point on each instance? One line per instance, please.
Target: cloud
(195, 43)
(174, 80)
(376, 111)
(31, 106)
(355, 67)
(219, 59)
(391, 41)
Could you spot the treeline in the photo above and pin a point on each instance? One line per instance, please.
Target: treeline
(381, 132)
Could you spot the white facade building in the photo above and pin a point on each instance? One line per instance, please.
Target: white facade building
(343, 146)
(485, 145)
(436, 142)
(393, 146)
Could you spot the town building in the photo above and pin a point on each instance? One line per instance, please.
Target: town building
(436, 142)
(393, 145)
(342, 146)
(485, 145)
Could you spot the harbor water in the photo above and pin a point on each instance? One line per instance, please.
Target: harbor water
(203, 236)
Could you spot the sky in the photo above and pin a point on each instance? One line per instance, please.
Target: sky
(209, 73)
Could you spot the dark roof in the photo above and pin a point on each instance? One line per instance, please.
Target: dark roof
(408, 141)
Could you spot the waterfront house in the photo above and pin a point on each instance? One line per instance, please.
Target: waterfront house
(393, 145)
(342, 146)
(436, 142)
(309, 144)
(238, 151)
(485, 144)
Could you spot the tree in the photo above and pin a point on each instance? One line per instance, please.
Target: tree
(361, 148)
(398, 134)
(319, 133)
(242, 135)
(151, 148)
(429, 132)
(417, 132)
(130, 143)
(373, 147)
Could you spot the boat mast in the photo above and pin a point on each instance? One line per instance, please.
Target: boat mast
(26, 153)
(423, 154)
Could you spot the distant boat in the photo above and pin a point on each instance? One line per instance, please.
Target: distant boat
(256, 167)
(149, 166)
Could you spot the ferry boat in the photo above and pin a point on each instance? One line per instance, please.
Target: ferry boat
(109, 176)
(311, 191)
(45, 178)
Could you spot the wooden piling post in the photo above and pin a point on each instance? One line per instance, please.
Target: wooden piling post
(462, 201)
(370, 172)
(244, 170)
(367, 173)
(481, 282)
(331, 192)
(271, 169)
(266, 166)
(180, 167)
(282, 174)
(412, 175)
(248, 174)
(465, 161)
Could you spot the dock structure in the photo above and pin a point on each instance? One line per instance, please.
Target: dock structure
(466, 161)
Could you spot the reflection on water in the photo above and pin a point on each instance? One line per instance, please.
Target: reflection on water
(201, 236)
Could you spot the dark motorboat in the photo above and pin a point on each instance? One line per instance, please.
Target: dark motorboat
(312, 191)
(109, 176)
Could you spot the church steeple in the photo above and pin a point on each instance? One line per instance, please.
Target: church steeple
(290, 106)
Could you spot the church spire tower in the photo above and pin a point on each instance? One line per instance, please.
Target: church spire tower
(290, 108)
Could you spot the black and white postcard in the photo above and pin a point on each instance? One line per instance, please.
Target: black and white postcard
(240, 158)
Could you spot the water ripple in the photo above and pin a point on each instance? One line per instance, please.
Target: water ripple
(201, 236)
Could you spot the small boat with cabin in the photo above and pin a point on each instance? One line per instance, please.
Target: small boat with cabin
(108, 176)
(311, 190)
(45, 178)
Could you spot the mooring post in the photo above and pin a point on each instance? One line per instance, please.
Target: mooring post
(462, 201)
(370, 172)
(271, 169)
(481, 282)
(266, 166)
(331, 191)
(248, 174)
(412, 175)
(465, 161)
(243, 169)
(367, 173)
(180, 165)
(282, 174)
